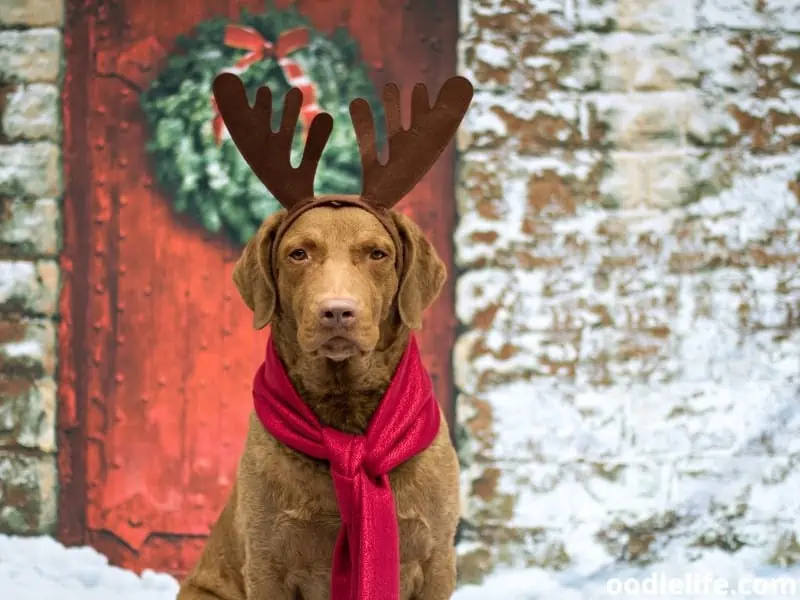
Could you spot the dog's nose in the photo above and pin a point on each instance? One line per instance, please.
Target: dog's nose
(338, 312)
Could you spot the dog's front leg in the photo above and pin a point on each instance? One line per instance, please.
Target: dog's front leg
(217, 574)
(264, 579)
(190, 591)
(439, 575)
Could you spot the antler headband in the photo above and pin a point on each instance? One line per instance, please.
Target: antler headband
(412, 151)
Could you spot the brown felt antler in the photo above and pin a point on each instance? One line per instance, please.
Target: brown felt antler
(269, 152)
(412, 151)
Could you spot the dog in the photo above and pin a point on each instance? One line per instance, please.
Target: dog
(342, 286)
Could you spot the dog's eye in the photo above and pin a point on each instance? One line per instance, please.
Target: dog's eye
(377, 254)
(298, 254)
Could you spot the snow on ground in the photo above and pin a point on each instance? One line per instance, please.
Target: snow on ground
(41, 569)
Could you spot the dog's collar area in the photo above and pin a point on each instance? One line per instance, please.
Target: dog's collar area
(382, 214)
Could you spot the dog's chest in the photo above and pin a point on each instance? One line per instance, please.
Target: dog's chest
(305, 543)
(309, 516)
(312, 540)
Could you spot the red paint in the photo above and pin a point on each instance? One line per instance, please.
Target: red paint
(157, 352)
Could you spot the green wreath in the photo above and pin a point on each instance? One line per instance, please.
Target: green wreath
(211, 181)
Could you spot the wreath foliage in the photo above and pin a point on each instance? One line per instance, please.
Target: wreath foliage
(212, 182)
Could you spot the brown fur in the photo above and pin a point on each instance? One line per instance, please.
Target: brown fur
(274, 540)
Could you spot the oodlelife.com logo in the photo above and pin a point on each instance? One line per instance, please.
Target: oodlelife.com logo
(659, 584)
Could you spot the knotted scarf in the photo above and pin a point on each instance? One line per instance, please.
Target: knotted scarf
(366, 560)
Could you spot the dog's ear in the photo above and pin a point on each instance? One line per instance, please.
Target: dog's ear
(423, 274)
(253, 273)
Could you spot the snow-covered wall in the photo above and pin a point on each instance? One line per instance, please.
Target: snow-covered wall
(30, 190)
(629, 247)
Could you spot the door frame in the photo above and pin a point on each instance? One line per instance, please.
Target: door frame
(437, 219)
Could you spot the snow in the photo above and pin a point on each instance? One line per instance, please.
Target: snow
(40, 568)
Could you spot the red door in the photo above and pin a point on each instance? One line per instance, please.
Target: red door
(157, 350)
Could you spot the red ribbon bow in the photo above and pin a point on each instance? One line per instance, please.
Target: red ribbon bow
(247, 38)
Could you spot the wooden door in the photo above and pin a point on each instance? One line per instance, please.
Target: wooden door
(157, 350)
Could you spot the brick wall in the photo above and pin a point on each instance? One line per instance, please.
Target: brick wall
(30, 190)
(629, 247)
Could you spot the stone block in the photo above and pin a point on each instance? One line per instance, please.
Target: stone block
(767, 125)
(596, 14)
(586, 427)
(32, 55)
(27, 348)
(487, 129)
(727, 13)
(722, 65)
(749, 14)
(525, 495)
(685, 419)
(554, 193)
(657, 121)
(494, 546)
(28, 493)
(32, 13)
(31, 170)
(531, 50)
(640, 121)
(625, 184)
(32, 112)
(531, 126)
(670, 179)
(748, 63)
(481, 187)
(711, 123)
(29, 228)
(28, 413)
(626, 489)
(621, 358)
(29, 287)
(513, 19)
(656, 16)
(562, 63)
(488, 64)
(634, 62)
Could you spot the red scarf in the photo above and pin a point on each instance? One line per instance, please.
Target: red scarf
(366, 560)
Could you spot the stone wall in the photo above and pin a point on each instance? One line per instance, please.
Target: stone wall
(30, 190)
(629, 247)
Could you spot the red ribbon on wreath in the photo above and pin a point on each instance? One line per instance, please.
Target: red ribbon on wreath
(247, 38)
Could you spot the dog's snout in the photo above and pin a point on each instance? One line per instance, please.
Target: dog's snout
(338, 312)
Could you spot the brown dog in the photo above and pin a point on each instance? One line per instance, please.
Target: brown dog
(275, 538)
(342, 284)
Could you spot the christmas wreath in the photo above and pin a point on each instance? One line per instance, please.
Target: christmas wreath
(199, 165)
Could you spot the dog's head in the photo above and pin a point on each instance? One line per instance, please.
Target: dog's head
(339, 269)
(336, 280)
